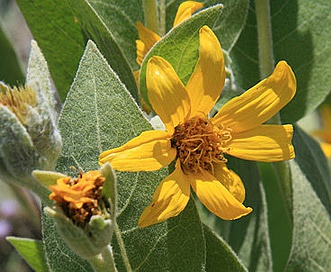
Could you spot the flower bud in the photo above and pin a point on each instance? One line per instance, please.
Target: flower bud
(83, 208)
(30, 138)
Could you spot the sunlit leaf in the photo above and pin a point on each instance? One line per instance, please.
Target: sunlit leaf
(229, 24)
(32, 252)
(121, 17)
(100, 114)
(61, 29)
(180, 45)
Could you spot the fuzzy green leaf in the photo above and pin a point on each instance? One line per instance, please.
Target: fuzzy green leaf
(220, 256)
(227, 27)
(180, 46)
(62, 29)
(300, 37)
(31, 251)
(279, 217)
(99, 114)
(250, 236)
(121, 17)
(57, 254)
(58, 35)
(95, 29)
(311, 183)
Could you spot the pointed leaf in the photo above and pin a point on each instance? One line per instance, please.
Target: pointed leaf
(100, 114)
(220, 256)
(311, 185)
(95, 29)
(121, 17)
(249, 236)
(229, 24)
(31, 251)
(57, 254)
(311, 248)
(61, 29)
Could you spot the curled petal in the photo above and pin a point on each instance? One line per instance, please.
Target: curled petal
(259, 103)
(147, 39)
(230, 180)
(216, 197)
(185, 11)
(267, 143)
(207, 80)
(166, 93)
(150, 151)
(169, 199)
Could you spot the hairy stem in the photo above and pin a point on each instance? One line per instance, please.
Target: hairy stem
(266, 60)
(162, 15)
(264, 32)
(151, 15)
(122, 248)
(103, 261)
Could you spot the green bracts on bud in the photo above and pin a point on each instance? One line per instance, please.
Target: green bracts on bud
(86, 242)
(30, 138)
(84, 208)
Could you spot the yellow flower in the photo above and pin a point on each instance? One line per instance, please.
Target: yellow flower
(148, 38)
(78, 198)
(325, 133)
(199, 144)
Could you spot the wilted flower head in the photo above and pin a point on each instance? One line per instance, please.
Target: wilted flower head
(83, 208)
(79, 198)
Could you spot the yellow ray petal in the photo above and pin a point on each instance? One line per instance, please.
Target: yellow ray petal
(147, 39)
(259, 103)
(216, 197)
(326, 147)
(230, 180)
(207, 80)
(166, 93)
(150, 151)
(185, 11)
(268, 143)
(169, 199)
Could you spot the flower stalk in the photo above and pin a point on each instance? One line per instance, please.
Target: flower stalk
(151, 15)
(266, 63)
(104, 261)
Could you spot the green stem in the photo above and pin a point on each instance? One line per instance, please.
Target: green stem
(122, 248)
(151, 15)
(264, 33)
(266, 62)
(103, 261)
(162, 13)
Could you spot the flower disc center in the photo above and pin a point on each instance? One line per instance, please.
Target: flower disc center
(199, 144)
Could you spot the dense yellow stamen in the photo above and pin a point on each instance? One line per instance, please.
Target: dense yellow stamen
(17, 101)
(199, 144)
